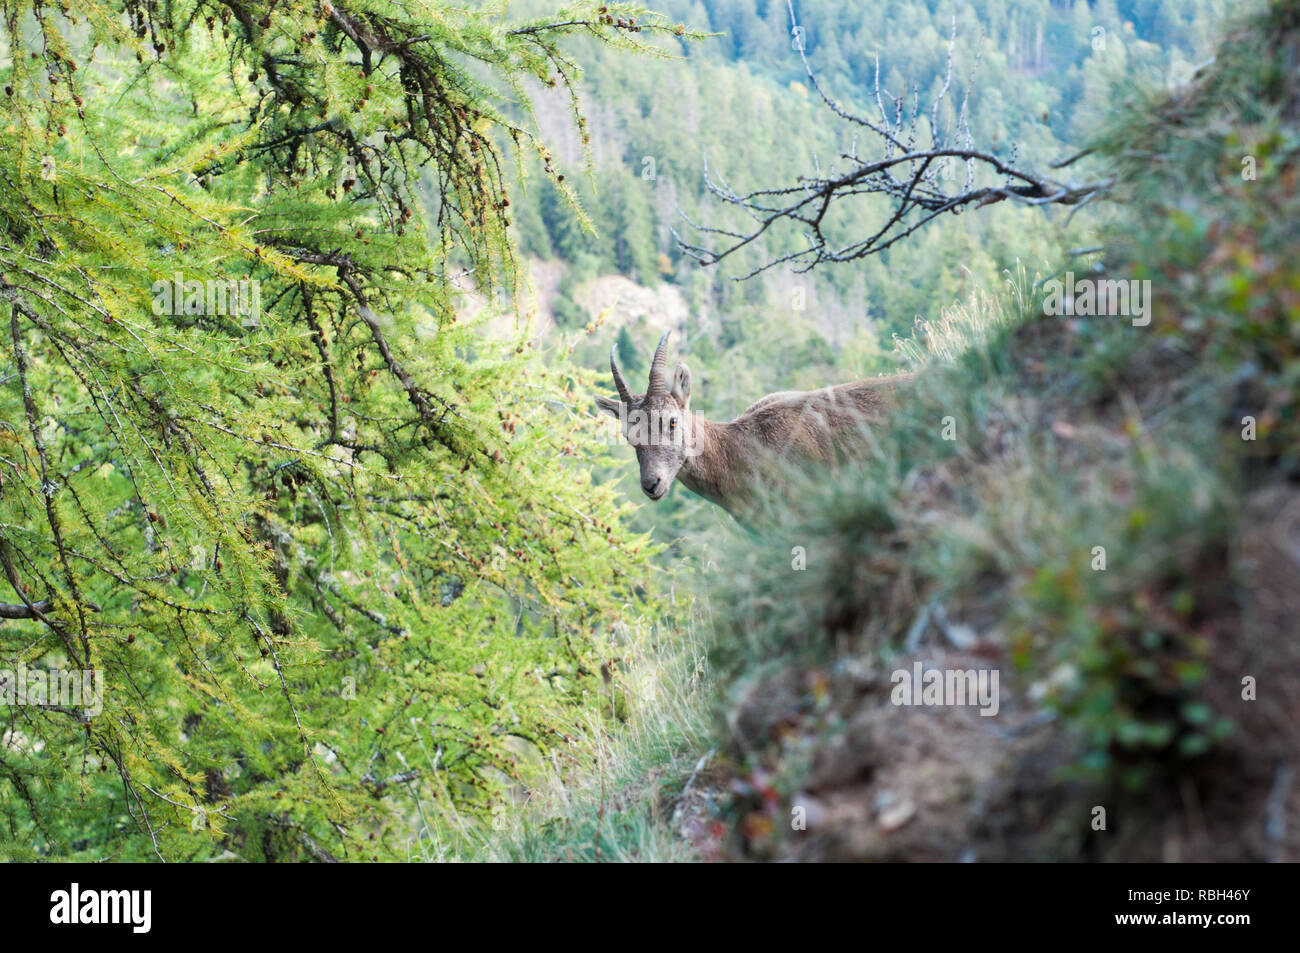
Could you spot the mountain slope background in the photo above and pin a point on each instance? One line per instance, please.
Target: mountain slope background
(1148, 696)
(1044, 74)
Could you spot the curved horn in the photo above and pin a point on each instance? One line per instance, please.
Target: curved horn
(658, 382)
(621, 384)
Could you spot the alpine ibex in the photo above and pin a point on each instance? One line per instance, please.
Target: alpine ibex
(733, 463)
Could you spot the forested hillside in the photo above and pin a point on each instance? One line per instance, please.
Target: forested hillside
(1102, 510)
(1114, 529)
(1041, 78)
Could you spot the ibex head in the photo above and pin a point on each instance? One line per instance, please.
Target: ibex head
(657, 423)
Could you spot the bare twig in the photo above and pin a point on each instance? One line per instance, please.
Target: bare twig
(917, 179)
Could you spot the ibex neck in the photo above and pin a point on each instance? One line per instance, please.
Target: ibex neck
(710, 471)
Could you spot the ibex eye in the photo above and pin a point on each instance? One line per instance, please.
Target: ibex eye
(672, 425)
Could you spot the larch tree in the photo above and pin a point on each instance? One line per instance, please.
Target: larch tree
(330, 554)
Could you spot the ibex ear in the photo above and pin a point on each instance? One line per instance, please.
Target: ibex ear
(682, 385)
(609, 405)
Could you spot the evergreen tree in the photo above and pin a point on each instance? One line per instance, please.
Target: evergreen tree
(255, 475)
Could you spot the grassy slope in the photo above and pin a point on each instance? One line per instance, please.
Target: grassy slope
(615, 795)
(1121, 688)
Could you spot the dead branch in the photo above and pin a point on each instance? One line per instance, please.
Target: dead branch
(920, 180)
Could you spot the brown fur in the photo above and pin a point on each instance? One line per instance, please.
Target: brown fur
(733, 463)
(735, 460)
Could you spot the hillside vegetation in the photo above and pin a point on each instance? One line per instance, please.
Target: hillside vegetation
(1105, 512)
(1040, 78)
